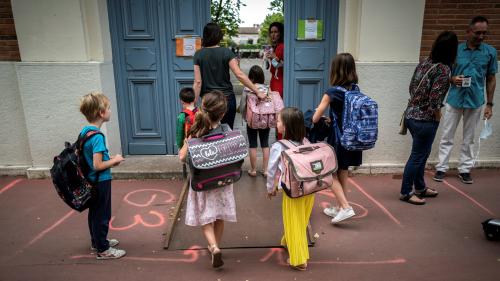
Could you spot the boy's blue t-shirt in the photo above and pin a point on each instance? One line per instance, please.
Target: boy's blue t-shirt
(95, 144)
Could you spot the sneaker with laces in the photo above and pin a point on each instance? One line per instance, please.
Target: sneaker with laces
(343, 214)
(112, 243)
(111, 253)
(466, 178)
(331, 212)
(439, 176)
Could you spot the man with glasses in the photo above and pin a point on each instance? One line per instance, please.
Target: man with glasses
(476, 62)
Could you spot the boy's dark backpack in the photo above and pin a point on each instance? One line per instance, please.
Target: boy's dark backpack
(215, 160)
(359, 121)
(70, 174)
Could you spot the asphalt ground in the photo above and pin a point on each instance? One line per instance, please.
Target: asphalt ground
(42, 239)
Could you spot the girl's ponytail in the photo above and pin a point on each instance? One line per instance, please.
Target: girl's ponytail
(213, 107)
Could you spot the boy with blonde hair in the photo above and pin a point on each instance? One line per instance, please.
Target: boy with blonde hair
(96, 108)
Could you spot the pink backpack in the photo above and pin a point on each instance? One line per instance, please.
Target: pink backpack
(262, 114)
(308, 168)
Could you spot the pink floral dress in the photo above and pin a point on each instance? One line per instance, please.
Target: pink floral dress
(208, 206)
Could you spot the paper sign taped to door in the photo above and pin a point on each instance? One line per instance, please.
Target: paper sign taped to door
(187, 46)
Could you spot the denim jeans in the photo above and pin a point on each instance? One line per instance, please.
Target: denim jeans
(423, 133)
(99, 216)
(231, 111)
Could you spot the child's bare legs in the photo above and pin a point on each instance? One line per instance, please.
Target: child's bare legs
(265, 159)
(339, 193)
(342, 176)
(218, 230)
(213, 234)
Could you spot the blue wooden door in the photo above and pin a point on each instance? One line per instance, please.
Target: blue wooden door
(307, 62)
(148, 75)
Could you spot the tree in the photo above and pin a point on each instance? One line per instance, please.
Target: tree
(264, 27)
(276, 6)
(226, 13)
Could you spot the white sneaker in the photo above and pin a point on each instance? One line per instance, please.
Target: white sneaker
(331, 212)
(343, 214)
(111, 253)
(112, 243)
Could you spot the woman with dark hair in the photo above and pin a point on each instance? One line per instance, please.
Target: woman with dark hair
(428, 88)
(211, 71)
(276, 33)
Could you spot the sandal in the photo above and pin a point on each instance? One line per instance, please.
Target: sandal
(428, 192)
(412, 199)
(264, 174)
(252, 173)
(216, 256)
(300, 267)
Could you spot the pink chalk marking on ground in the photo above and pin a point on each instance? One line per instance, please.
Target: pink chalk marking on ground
(456, 189)
(139, 220)
(170, 197)
(468, 197)
(394, 261)
(279, 252)
(10, 185)
(191, 253)
(43, 233)
(384, 209)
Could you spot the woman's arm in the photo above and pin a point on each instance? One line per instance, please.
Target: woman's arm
(325, 101)
(197, 82)
(233, 65)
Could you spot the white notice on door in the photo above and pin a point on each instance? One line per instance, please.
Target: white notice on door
(311, 29)
(189, 46)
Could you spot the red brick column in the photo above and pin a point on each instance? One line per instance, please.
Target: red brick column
(455, 15)
(9, 49)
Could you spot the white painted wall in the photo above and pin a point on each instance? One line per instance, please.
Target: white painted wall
(50, 30)
(14, 148)
(388, 84)
(65, 49)
(382, 30)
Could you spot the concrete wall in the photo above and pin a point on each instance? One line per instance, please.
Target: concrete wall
(66, 52)
(388, 84)
(381, 31)
(14, 148)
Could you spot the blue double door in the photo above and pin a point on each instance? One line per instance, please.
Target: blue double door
(149, 75)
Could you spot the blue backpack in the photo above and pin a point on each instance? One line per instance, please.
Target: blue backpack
(359, 123)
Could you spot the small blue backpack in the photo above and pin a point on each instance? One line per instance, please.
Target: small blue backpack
(359, 122)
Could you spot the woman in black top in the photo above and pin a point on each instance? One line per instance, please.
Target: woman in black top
(211, 71)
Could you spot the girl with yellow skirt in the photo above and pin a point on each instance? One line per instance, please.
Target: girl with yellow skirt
(296, 211)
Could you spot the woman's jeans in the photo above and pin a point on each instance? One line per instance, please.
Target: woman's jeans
(231, 111)
(423, 133)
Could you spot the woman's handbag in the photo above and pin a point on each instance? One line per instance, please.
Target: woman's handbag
(403, 130)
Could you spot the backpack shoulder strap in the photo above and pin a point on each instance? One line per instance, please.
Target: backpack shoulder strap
(88, 135)
(286, 143)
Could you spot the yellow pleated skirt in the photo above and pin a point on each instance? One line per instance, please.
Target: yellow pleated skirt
(296, 213)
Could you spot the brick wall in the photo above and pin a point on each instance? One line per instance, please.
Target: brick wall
(9, 50)
(455, 15)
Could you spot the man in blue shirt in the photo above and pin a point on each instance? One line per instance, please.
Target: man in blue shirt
(476, 63)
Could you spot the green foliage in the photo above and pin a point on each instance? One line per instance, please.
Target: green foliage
(276, 6)
(249, 46)
(264, 28)
(226, 13)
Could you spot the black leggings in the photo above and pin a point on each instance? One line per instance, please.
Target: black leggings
(263, 136)
(231, 111)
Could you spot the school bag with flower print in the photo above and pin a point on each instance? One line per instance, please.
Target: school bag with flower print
(262, 113)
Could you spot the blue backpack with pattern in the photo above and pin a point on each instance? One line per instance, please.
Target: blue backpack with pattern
(359, 122)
